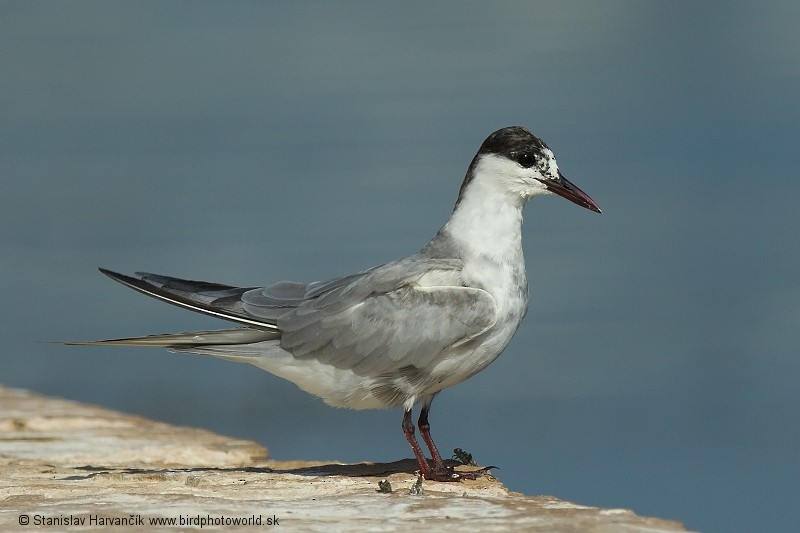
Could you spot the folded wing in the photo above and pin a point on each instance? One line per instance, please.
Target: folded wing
(401, 314)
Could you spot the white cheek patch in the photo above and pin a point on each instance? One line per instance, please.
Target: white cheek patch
(497, 172)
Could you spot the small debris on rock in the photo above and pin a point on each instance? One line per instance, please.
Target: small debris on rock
(463, 457)
(384, 486)
(416, 488)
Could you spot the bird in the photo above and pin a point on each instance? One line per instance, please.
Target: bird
(397, 334)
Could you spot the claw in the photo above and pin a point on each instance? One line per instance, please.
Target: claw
(475, 474)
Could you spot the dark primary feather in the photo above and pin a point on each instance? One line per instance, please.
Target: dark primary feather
(215, 299)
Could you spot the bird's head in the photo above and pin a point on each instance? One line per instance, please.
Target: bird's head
(515, 161)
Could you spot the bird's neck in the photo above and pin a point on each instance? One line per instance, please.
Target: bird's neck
(487, 223)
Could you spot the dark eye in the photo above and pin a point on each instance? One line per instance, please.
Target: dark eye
(526, 159)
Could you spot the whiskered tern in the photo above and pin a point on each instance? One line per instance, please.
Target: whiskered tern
(396, 334)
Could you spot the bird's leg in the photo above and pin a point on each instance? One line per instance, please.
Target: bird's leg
(440, 471)
(425, 431)
(408, 431)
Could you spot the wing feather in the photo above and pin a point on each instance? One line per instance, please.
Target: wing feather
(409, 326)
(372, 322)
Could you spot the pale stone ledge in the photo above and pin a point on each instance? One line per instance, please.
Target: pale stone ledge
(62, 461)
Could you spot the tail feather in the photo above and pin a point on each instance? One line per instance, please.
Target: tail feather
(182, 341)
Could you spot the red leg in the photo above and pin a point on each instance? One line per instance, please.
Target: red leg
(425, 431)
(408, 431)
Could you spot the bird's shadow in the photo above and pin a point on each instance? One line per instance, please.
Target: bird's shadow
(403, 466)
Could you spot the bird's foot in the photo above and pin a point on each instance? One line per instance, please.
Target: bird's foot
(442, 472)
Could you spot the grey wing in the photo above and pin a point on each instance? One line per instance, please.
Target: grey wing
(260, 307)
(373, 321)
(380, 319)
(408, 326)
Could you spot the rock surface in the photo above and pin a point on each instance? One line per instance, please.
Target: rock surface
(66, 466)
